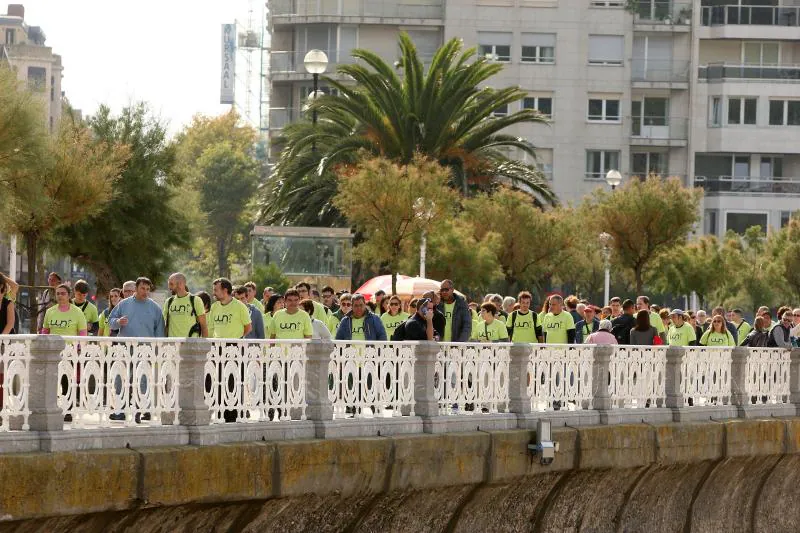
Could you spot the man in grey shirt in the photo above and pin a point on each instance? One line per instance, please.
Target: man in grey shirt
(138, 316)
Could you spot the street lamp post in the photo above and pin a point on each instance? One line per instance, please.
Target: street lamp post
(613, 178)
(316, 62)
(424, 211)
(605, 239)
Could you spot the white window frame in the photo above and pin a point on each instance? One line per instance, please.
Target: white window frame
(742, 102)
(607, 3)
(499, 113)
(715, 112)
(604, 164)
(536, 99)
(604, 114)
(608, 62)
(761, 54)
(785, 120)
(489, 49)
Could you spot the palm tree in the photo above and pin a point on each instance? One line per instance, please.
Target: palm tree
(443, 113)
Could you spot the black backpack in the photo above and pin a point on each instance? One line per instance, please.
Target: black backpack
(399, 332)
(534, 321)
(4, 303)
(194, 330)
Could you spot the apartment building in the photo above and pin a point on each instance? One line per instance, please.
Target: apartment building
(706, 91)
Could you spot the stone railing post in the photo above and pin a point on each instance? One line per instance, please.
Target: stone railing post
(319, 406)
(601, 366)
(673, 380)
(425, 402)
(192, 382)
(739, 396)
(519, 398)
(794, 379)
(43, 384)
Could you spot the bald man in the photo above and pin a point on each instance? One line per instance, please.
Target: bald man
(184, 313)
(458, 327)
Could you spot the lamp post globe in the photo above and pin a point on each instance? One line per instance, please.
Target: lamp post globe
(315, 62)
(613, 178)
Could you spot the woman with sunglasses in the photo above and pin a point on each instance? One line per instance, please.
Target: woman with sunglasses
(394, 316)
(780, 336)
(274, 304)
(717, 334)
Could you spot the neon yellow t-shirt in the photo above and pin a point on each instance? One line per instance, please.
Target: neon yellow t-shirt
(494, 332)
(681, 336)
(555, 327)
(333, 323)
(181, 319)
(390, 322)
(103, 328)
(357, 329)
(269, 327)
(656, 322)
(743, 330)
(524, 327)
(320, 312)
(294, 326)
(89, 311)
(710, 338)
(70, 322)
(448, 325)
(228, 321)
(259, 305)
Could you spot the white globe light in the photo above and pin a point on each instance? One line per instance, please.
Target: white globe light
(613, 178)
(315, 62)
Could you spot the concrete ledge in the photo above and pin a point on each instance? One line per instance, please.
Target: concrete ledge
(440, 460)
(587, 417)
(704, 413)
(462, 423)
(253, 431)
(623, 446)
(19, 442)
(766, 411)
(689, 443)
(367, 427)
(754, 437)
(122, 437)
(652, 415)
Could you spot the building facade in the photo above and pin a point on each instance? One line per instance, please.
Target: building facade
(708, 91)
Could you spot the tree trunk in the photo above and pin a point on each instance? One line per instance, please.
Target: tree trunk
(639, 282)
(394, 282)
(30, 243)
(222, 258)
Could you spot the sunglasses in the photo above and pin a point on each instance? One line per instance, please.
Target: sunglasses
(394, 304)
(346, 304)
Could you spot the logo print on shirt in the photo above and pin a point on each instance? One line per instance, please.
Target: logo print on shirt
(525, 324)
(222, 319)
(554, 325)
(448, 315)
(64, 323)
(182, 308)
(289, 325)
(359, 329)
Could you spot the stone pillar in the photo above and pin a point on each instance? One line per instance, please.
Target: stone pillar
(601, 396)
(794, 379)
(319, 405)
(739, 396)
(425, 402)
(45, 415)
(520, 400)
(192, 382)
(672, 380)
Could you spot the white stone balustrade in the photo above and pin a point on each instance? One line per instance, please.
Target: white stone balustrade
(49, 384)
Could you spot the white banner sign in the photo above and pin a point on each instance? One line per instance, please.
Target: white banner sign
(228, 63)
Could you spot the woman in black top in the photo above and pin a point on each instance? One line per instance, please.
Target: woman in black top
(643, 334)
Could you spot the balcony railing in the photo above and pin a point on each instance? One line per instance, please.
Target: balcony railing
(748, 185)
(281, 116)
(666, 128)
(750, 15)
(119, 392)
(725, 71)
(292, 61)
(643, 70)
(663, 12)
(427, 9)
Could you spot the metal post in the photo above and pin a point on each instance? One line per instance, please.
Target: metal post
(607, 285)
(12, 268)
(423, 245)
(314, 112)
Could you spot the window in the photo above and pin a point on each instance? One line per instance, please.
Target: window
(500, 111)
(739, 222)
(52, 88)
(711, 222)
(10, 36)
(599, 162)
(37, 79)
(607, 3)
(495, 45)
(716, 111)
(784, 112)
(602, 110)
(758, 53)
(544, 162)
(786, 216)
(742, 110)
(538, 47)
(543, 105)
(606, 49)
(645, 163)
(741, 166)
(771, 167)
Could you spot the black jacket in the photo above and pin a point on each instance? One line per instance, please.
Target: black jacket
(621, 328)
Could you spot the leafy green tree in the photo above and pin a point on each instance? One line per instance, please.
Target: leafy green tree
(747, 262)
(693, 267)
(392, 204)
(229, 178)
(73, 176)
(647, 219)
(22, 135)
(446, 114)
(270, 275)
(533, 241)
(138, 232)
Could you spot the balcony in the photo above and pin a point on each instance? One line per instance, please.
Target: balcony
(750, 16)
(289, 64)
(659, 131)
(748, 186)
(663, 15)
(659, 74)
(281, 116)
(716, 72)
(361, 11)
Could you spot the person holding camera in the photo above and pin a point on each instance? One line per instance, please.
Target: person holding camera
(420, 326)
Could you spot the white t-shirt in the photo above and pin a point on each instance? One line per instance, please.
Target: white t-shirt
(319, 330)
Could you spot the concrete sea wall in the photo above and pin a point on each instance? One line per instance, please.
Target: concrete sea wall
(738, 475)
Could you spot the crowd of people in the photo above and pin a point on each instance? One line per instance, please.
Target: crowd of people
(303, 312)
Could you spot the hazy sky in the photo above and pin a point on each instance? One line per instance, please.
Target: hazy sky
(165, 52)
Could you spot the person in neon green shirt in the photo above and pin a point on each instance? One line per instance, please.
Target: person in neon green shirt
(81, 292)
(251, 296)
(558, 325)
(643, 304)
(524, 323)
(394, 316)
(717, 334)
(64, 318)
(114, 296)
(229, 318)
(181, 320)
(490, 329)
(743, 329)
(291, 322)
(274, 304)
(680, 333)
